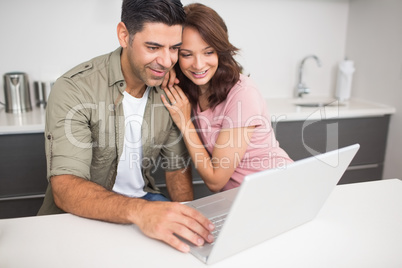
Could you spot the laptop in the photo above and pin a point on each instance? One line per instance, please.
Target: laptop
(270, 202)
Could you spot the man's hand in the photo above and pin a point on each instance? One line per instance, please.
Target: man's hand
(161, 220)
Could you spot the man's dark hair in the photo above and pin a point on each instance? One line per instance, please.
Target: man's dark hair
(134, 13)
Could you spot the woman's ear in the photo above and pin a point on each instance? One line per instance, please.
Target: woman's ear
(123, 35)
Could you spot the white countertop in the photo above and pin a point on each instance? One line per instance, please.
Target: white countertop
(286, 109)
(359, 226)
(283, 109)
(22, 123)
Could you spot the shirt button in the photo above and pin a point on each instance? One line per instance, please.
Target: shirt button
(121, 84)
(49, 137)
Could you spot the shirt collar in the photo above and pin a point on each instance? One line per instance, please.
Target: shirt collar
(115, 73)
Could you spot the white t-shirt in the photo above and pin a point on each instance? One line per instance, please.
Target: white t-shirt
(129, 180)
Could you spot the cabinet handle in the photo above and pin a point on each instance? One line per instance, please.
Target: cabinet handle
(363, 167)
(194, 182)
(22, 197)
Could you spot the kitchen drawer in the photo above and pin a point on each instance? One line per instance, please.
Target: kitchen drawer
(362, 173)
(302, 139)
(22, 164)
(24, 207)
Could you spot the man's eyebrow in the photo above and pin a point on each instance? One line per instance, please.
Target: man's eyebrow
(159, 45)
(178, 44)
(183, 49)
(153, 44)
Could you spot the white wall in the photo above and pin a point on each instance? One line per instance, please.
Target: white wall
(374, 42)
(45, 38)
(276, 35)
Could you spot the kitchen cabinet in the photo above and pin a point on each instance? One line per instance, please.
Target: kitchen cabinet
(22, 174)
(306, 131)
(302, 139)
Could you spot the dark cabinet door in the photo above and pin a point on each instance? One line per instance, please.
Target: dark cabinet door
(20, 207)
(22, 174)
(302, 139)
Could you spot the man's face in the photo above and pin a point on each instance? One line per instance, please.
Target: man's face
(152, 53)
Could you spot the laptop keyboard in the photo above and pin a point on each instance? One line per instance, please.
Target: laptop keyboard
(218, 221)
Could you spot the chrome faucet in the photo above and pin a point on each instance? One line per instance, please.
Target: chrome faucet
(301, 87)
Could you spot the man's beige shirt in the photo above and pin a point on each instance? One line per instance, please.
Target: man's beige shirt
(85, 128)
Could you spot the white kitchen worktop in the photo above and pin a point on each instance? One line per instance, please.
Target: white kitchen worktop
(285, 109)
(28, 122)
(280, 110)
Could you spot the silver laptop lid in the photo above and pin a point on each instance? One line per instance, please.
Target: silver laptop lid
(271, 202)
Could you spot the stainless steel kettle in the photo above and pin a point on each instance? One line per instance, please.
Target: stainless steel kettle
(16, 92)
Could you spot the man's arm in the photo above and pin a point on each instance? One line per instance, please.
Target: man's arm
(159, 220)
(180, 184)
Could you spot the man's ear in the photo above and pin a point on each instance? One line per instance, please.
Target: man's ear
(123, 35)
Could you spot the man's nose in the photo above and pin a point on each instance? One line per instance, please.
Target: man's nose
(166, 59)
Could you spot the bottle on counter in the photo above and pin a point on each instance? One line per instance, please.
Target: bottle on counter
(42, 91)
(344, 80)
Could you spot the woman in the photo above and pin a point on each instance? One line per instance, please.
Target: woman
(235, 134)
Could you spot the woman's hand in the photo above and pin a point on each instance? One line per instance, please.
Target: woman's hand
(179, 106)
(170, 79)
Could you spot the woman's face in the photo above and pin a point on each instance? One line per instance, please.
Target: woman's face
(197, 60)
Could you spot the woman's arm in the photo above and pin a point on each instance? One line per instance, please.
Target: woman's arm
(228, 151)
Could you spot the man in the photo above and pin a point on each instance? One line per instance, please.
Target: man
(106, 125)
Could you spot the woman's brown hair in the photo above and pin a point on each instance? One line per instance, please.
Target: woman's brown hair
(214, 32)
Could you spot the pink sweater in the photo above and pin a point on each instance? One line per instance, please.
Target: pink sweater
(243, 107)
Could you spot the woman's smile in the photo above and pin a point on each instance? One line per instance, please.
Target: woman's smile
(199, 75)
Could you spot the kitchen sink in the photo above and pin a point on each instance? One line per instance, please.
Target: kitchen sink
(316, 102)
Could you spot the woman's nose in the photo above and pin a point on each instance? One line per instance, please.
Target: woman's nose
(198, 63)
